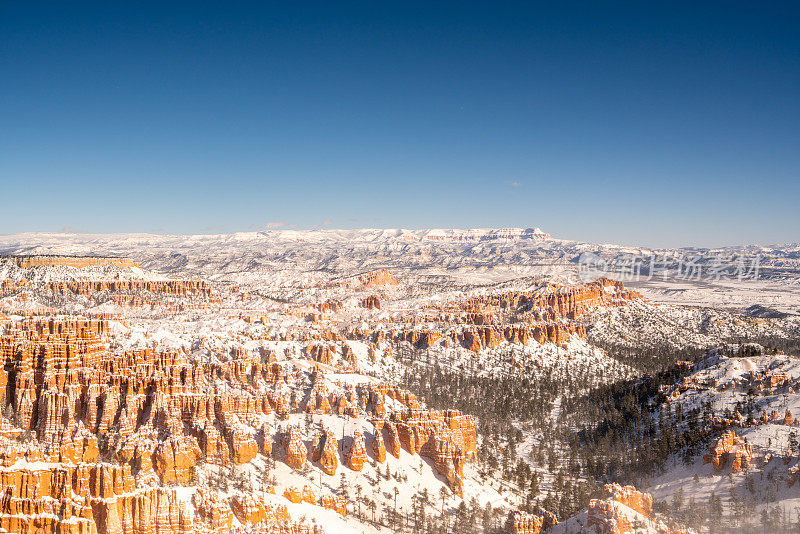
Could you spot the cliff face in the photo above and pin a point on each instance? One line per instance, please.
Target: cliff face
(77, 262)
(151, 412)
(165, 287)
(88, 499)
(548, 315)
(369, 280)
(550, 303)
(448, 438)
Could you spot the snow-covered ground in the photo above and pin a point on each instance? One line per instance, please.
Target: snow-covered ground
(647, 323)
(267, 295)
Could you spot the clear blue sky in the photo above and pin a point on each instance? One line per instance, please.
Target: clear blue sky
(656, 123)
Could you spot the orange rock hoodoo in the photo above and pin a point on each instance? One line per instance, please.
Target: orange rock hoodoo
(449, 438)
(378, 446)
(357, 452)
(296, 451)
(249, 509)
(334, 502)
(730, 449)
(371, 303)
(325, 452)
(630, 497)
(609, 516)
(520, 522)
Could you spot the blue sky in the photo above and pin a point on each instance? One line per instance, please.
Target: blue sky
(642, 123)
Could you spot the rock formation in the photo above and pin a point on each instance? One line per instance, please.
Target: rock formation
(519, 522)
(371, 303)
(730, 449)
(630, 497)
(357, 452)
(608, 517)
(334, 502)
(296, 451)
(325, 452)
(378, 446)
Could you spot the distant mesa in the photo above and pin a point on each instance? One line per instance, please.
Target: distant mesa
(485, 234)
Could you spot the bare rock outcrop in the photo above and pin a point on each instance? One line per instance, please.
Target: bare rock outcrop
(356, 454)
(325, 451)
(729, 449)
(296, 451)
